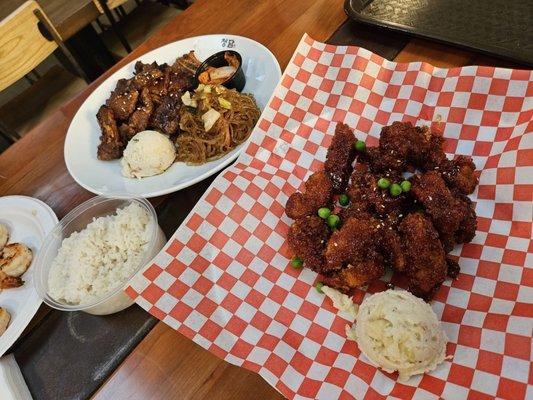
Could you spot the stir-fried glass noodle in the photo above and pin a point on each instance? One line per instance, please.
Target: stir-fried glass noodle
(213, 122)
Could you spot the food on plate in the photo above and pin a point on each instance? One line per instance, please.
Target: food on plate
(399, 332)
(218, 75)
(203, 122)
(404, 207)
(94, 261)
(148, 153)
(16, 259)
(5, 317)
(214, 121)
(148, 100)
(4, 236)
(9, 282)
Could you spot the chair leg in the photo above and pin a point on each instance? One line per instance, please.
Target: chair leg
(122, 11)
(62, 46)
(100, 25)
(29, 79)
(8, 134)
(114, 25)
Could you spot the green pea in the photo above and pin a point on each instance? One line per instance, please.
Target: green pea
(395, 189)
(344, 200)
(296, 262)
(324, 212)
(360, 146)
(319, 286)
(333, 220)
(383, 183)
(406, 186)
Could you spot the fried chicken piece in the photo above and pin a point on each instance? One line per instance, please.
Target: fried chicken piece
(166, 116)
(360, 182)
(425, 258)
(353, 276)
(453, 267)
(380, 161)
(391, 247)
(366, 196)
(403, 146)
(123, 99)
(356, 242)
(434, 156)
(399, 144)
(138, 121)
(460, 174)
(340, 156)
(468, 226)
(446, 210)
(111, 144)
(307, 239)
(318, 192)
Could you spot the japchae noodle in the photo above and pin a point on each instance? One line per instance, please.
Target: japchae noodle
(213, 122)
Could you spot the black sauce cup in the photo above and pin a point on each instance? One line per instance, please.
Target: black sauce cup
(217, 60)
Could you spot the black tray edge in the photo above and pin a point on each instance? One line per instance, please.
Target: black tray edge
(353, 14)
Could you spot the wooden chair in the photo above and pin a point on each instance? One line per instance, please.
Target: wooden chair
(26, 38)
(105, 7)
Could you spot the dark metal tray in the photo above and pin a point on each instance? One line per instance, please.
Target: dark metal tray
(499, 27)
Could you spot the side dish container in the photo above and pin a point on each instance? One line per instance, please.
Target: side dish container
(76, 220)
(218, 60)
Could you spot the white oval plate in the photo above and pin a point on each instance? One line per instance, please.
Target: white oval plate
(262, 73)
(29, 220)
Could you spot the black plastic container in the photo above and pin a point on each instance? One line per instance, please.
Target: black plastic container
(237, 80)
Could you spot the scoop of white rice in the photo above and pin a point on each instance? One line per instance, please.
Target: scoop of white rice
(104, 255)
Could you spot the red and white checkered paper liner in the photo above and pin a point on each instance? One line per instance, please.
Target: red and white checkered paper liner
(224, 279)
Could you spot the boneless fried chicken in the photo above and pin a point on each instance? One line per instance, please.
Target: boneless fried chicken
(318, 191)
(446, 210)
(467, 227)
(340, 156)
(459, 174)
(355, 242)
(352, 256)
(403, 146)
(404, 208)
(307, 238)
(366, 196)
(425, 258)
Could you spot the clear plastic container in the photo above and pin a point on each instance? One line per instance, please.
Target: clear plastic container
(75, 221)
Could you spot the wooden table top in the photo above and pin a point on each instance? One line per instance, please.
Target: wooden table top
(35, 166)
(68, 16)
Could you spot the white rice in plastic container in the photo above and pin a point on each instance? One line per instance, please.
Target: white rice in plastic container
(104, 255)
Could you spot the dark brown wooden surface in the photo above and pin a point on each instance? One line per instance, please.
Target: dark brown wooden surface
(166, 365)
(68, 16)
